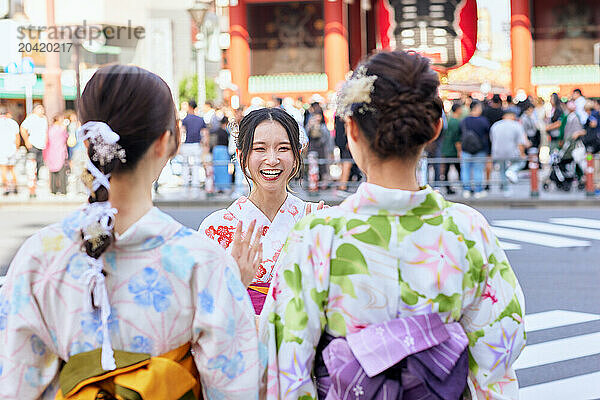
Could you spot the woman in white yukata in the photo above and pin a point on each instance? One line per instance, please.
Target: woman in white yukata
(268, 145)
(396, 293)
(135, 304)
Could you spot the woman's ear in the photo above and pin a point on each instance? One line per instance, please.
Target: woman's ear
(162, 146)
(437, 130)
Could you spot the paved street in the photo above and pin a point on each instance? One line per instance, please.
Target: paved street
(555, 253)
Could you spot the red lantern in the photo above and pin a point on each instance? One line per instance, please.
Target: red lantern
(445, 31)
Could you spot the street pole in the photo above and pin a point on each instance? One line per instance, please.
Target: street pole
(201, 66)
(53, 100)
(77, 46)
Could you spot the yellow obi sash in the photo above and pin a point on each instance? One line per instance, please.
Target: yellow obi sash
(138, 376)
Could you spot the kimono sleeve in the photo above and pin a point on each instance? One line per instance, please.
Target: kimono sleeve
(28, 363)
(293, 318)
(225, 343)
(493, 319)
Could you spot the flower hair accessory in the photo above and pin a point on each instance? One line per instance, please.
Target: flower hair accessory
(356, 91)
(303, 138)
(234, 129)
(104, 140)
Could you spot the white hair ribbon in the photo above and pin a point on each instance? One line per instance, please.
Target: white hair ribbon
(303, 138)
(96, 288)
(100, 179)
(93, 129)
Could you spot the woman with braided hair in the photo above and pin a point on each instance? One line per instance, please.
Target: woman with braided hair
(397, 293)
(119, 300)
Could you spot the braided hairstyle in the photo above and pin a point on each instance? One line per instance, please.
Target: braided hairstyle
(404, 106)
(138, 106)
(248, 125)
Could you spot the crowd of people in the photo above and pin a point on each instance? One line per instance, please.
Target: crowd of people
(396, 292)
(499, 133)
(51, 143)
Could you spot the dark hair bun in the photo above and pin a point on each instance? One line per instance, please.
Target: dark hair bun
(404, 104)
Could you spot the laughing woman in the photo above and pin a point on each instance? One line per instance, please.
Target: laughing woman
(268, 147)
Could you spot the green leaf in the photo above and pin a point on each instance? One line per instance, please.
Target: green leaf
(512, 308)
(427, 207)
(345, 283)
(378, 233)
(470, 243)
(275, 319)
(294, 279)
(411, 223)
(348, 261)
(337, 323)
(435, 220)
(450, 226)
(306, 397)
(474, 336)
(319, 298)
(336, 223)
(295, 316)
(451, 304)
(290, 337)
(408, 295)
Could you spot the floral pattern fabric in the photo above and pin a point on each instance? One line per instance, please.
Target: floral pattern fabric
(220, 227)
(166, 287)
(385, 254)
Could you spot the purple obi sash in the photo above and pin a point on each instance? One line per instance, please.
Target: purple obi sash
(258, 295)
(417, 357)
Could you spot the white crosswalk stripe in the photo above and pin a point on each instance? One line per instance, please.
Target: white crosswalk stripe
(557, 233)
(582, 222)
(538, 238)
(580, 387)
(584, 233)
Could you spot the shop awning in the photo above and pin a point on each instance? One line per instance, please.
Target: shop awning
(9, 89)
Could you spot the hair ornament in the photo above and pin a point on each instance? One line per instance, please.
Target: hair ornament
(104, 140)
(355, 93)
(234, 129)
(303, 138)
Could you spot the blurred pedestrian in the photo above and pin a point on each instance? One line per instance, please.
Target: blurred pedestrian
(450, 145)
(9, 142)
(530, 125)
(508, 141)
(493, 111)
(341, 141)
(553, 128)
(55, 155)
(474, 148)
(591, 140)
(319, 141)
(511, 106)
(579, 100)
(221, 158)
(34, 131)
(191, 150)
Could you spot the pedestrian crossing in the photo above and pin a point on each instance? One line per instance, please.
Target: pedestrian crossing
(556, 233)
(559, 349)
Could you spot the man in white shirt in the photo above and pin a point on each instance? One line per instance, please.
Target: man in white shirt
(34, 131)
(508, 147)
(579, 100)
(9, 138)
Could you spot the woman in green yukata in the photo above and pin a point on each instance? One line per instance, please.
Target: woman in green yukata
(393, 250)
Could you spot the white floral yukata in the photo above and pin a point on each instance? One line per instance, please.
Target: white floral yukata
(386, 254)
(166, 288)
(220, 227)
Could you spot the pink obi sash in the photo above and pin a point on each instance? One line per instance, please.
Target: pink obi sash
(258, 295)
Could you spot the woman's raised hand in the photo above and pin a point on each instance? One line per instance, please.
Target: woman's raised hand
(320, 206)
(247, 252)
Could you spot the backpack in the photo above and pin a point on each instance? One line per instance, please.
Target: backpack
(471, 142)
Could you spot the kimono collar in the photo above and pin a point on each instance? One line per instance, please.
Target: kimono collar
(245, 210)
(373, 199)
(149, 232)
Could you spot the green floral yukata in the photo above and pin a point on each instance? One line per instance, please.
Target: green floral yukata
(384, 254)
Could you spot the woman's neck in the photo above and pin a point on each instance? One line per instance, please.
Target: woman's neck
(132, 197)
(393, 173)
(268, 202)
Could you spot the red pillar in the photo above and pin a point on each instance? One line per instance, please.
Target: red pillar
(239, 49)
(521, 45)
(355, 29)
(336, 43)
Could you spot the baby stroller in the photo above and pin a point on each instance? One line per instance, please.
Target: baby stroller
(563, 165)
